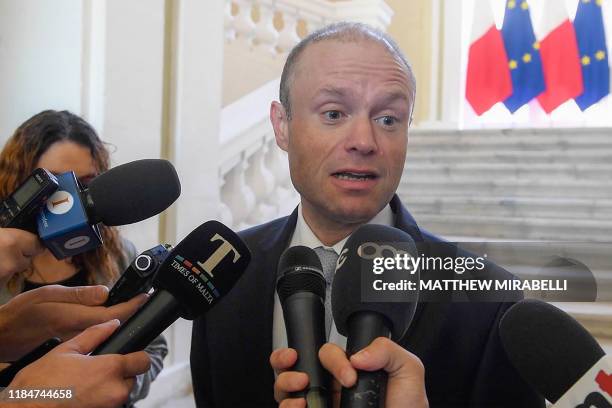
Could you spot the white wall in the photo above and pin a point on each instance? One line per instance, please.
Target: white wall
(133, 85)
(40, 59)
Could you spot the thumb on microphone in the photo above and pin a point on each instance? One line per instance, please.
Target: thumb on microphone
(406, 383)
(89, 339)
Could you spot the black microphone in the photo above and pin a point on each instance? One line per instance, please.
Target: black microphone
(19, 209)
(123, 195)
(556, 355)
(301, 289)
(131, 192)
(361, 320)
(9, 373)
(193, 278)
(139, 275)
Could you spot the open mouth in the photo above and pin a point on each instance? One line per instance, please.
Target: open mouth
(354, 176)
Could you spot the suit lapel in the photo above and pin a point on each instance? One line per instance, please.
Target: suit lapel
(257, 312)
(239, 328)
(427, 319)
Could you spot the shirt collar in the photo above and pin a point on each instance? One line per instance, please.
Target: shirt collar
(303, 235)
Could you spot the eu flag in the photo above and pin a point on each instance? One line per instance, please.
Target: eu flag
(523, 55)
(591, 38)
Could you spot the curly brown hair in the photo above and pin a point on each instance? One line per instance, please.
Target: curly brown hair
(17, 161)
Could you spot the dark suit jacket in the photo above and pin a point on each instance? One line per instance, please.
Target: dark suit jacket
(458, 343)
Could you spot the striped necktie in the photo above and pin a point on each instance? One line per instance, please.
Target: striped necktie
(328, 259)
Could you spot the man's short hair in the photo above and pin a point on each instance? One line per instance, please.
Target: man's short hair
(347, 32)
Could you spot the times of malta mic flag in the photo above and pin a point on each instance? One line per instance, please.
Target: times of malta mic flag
(591, 37)
(488, 76)
(559, 51)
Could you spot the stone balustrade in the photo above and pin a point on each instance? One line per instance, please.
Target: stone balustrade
(279, 23)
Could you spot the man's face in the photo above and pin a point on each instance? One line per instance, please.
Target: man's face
(346, 140)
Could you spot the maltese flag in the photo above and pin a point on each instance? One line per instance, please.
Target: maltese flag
(488, 74)
(560, 57)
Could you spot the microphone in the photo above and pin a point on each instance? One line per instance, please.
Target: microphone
(123, 195)
(19, 209)
(361, 320)
(301, 289)
(195, 275)
(556, 355)
(138, 276)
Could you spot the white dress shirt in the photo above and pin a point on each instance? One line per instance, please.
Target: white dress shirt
(303, 235)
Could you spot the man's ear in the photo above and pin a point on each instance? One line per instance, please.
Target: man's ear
(280, 123)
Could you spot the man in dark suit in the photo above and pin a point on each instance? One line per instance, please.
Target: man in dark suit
(346, 100)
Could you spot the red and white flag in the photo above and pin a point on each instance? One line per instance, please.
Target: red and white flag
(488, 75)
(560, 57)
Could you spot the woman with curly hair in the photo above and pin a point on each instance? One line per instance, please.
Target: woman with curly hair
(60, 142)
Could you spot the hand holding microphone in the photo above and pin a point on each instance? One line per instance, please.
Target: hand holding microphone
(17, 248)
(194, 276)
(405, 371)
(32, 317)
(405, 386)
(368, 326)
(123, 195)
(93, 382)
(362, 321)
(301, 290)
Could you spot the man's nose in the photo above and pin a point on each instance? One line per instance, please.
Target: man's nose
(361, 137)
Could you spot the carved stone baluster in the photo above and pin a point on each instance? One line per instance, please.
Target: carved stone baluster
(265, 32)
(288, 37)
(243, 21)
(228, 22)
(261, 182)
(283, 195)
(313, 23)
(237, 194)
(225, 214)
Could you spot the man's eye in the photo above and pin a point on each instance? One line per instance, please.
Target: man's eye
(332, 115)
(387, 121)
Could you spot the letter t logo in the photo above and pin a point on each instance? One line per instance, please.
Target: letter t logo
(221, 252)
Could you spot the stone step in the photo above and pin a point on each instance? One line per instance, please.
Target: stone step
(577, 156)
(603, 278)
(518, 228)
(500, 140)
(417, 169)
(569, 136)
(595, 317)
(582, 208)
(597, 256)
(467, 187)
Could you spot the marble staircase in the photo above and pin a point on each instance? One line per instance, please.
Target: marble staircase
(530, 187)
(544, 184)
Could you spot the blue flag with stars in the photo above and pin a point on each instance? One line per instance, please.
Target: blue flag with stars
(523, 55)
(591, 38)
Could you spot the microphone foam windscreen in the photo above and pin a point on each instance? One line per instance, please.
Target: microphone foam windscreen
(203, 267)
(550, 349)
(299, 270)
(355, 270)
(134, 191)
